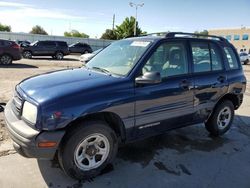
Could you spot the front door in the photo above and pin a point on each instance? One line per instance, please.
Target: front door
(169, 104)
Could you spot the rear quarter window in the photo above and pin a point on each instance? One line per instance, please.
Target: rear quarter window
(231, 58)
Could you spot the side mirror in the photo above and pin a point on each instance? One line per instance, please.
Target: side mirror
(149, 78)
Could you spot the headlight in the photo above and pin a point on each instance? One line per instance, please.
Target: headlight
(29, 112)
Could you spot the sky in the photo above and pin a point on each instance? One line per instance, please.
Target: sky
(95, 16)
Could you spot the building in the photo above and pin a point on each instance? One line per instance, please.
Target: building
(239, 37)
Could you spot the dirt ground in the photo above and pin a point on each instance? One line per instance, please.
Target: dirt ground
(11, 75)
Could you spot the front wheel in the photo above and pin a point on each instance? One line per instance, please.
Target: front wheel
(87, 150)
(6, 59)
(221, 119)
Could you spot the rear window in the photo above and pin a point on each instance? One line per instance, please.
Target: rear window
(231, 58)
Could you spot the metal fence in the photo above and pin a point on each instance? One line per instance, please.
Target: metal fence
(94, 43)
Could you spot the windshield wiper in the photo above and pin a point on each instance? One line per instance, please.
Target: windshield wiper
(102, 70)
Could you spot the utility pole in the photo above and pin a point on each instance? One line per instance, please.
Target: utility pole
(113, 26)
(136, 8)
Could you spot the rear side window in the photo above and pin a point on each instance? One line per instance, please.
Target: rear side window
(64, 44)
(206, 57)
(231, 58)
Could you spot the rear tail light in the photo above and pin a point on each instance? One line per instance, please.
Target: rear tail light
(16, 46)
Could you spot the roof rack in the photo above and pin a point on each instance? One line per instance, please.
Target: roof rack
(155, 34)
(173, 34)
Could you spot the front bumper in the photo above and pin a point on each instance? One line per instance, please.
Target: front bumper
(26, 139)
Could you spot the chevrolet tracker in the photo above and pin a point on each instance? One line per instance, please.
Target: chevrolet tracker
(133, 89)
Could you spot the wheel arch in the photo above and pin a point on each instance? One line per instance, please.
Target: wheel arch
(112, 119)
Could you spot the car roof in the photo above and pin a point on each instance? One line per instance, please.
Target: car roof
(182, 35)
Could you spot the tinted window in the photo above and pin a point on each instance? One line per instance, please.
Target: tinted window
(201, 57)
(47, 43)
(169, 59)
(216, 57)
(232, 60)
(64, 44)
(206, 57)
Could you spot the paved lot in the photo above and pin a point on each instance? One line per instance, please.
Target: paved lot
(187, 157)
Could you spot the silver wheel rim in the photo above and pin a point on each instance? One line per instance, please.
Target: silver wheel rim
(59, 55)
(27, 54)
(5, 59)
(224, 118)
(92, 152)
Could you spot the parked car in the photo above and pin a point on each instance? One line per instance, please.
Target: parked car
(81, 48)
(133, 89)
(9, 51)
(86, 57)
(244, 58)
(56, 49)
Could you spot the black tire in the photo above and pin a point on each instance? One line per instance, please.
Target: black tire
(27, 54)
(212, 125)
(59, 55)
(53, 57)
(71, 142)
(85, 52)
(6, 59)
(246, 62)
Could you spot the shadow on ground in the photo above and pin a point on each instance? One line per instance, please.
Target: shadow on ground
(18, 65)
(193, 139)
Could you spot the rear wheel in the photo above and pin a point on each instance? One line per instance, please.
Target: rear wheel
(27, 54)
(88, 149)
(6, 59)
(59, 55)
(221, 119)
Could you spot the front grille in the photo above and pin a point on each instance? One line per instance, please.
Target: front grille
(17, 103)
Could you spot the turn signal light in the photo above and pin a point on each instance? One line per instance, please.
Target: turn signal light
(48, 144)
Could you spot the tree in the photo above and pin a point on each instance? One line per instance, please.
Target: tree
(38, 30)
(75, 33)
(126, 29)
(204, 32)
(5, 28)
(109, 35)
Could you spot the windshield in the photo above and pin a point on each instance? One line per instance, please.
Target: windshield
(119, 57)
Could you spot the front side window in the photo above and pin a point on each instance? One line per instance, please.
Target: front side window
(206, 57)
(119, 57)
(169, 59)
(231, 58)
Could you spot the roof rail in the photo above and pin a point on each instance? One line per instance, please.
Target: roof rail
(173, 34)
(155, 34)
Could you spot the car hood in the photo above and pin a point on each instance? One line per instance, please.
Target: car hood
(47, 87)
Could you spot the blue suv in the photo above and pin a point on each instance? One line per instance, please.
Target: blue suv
(133, 89)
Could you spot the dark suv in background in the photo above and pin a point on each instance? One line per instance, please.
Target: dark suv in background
(81, 48)
(56, 49)
(132, 89)
(9, 51)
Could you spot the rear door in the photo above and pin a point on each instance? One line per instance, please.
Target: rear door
(167, 105)
(210, 79)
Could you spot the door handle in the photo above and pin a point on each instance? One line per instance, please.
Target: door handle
(221, 79)
(185, 84)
